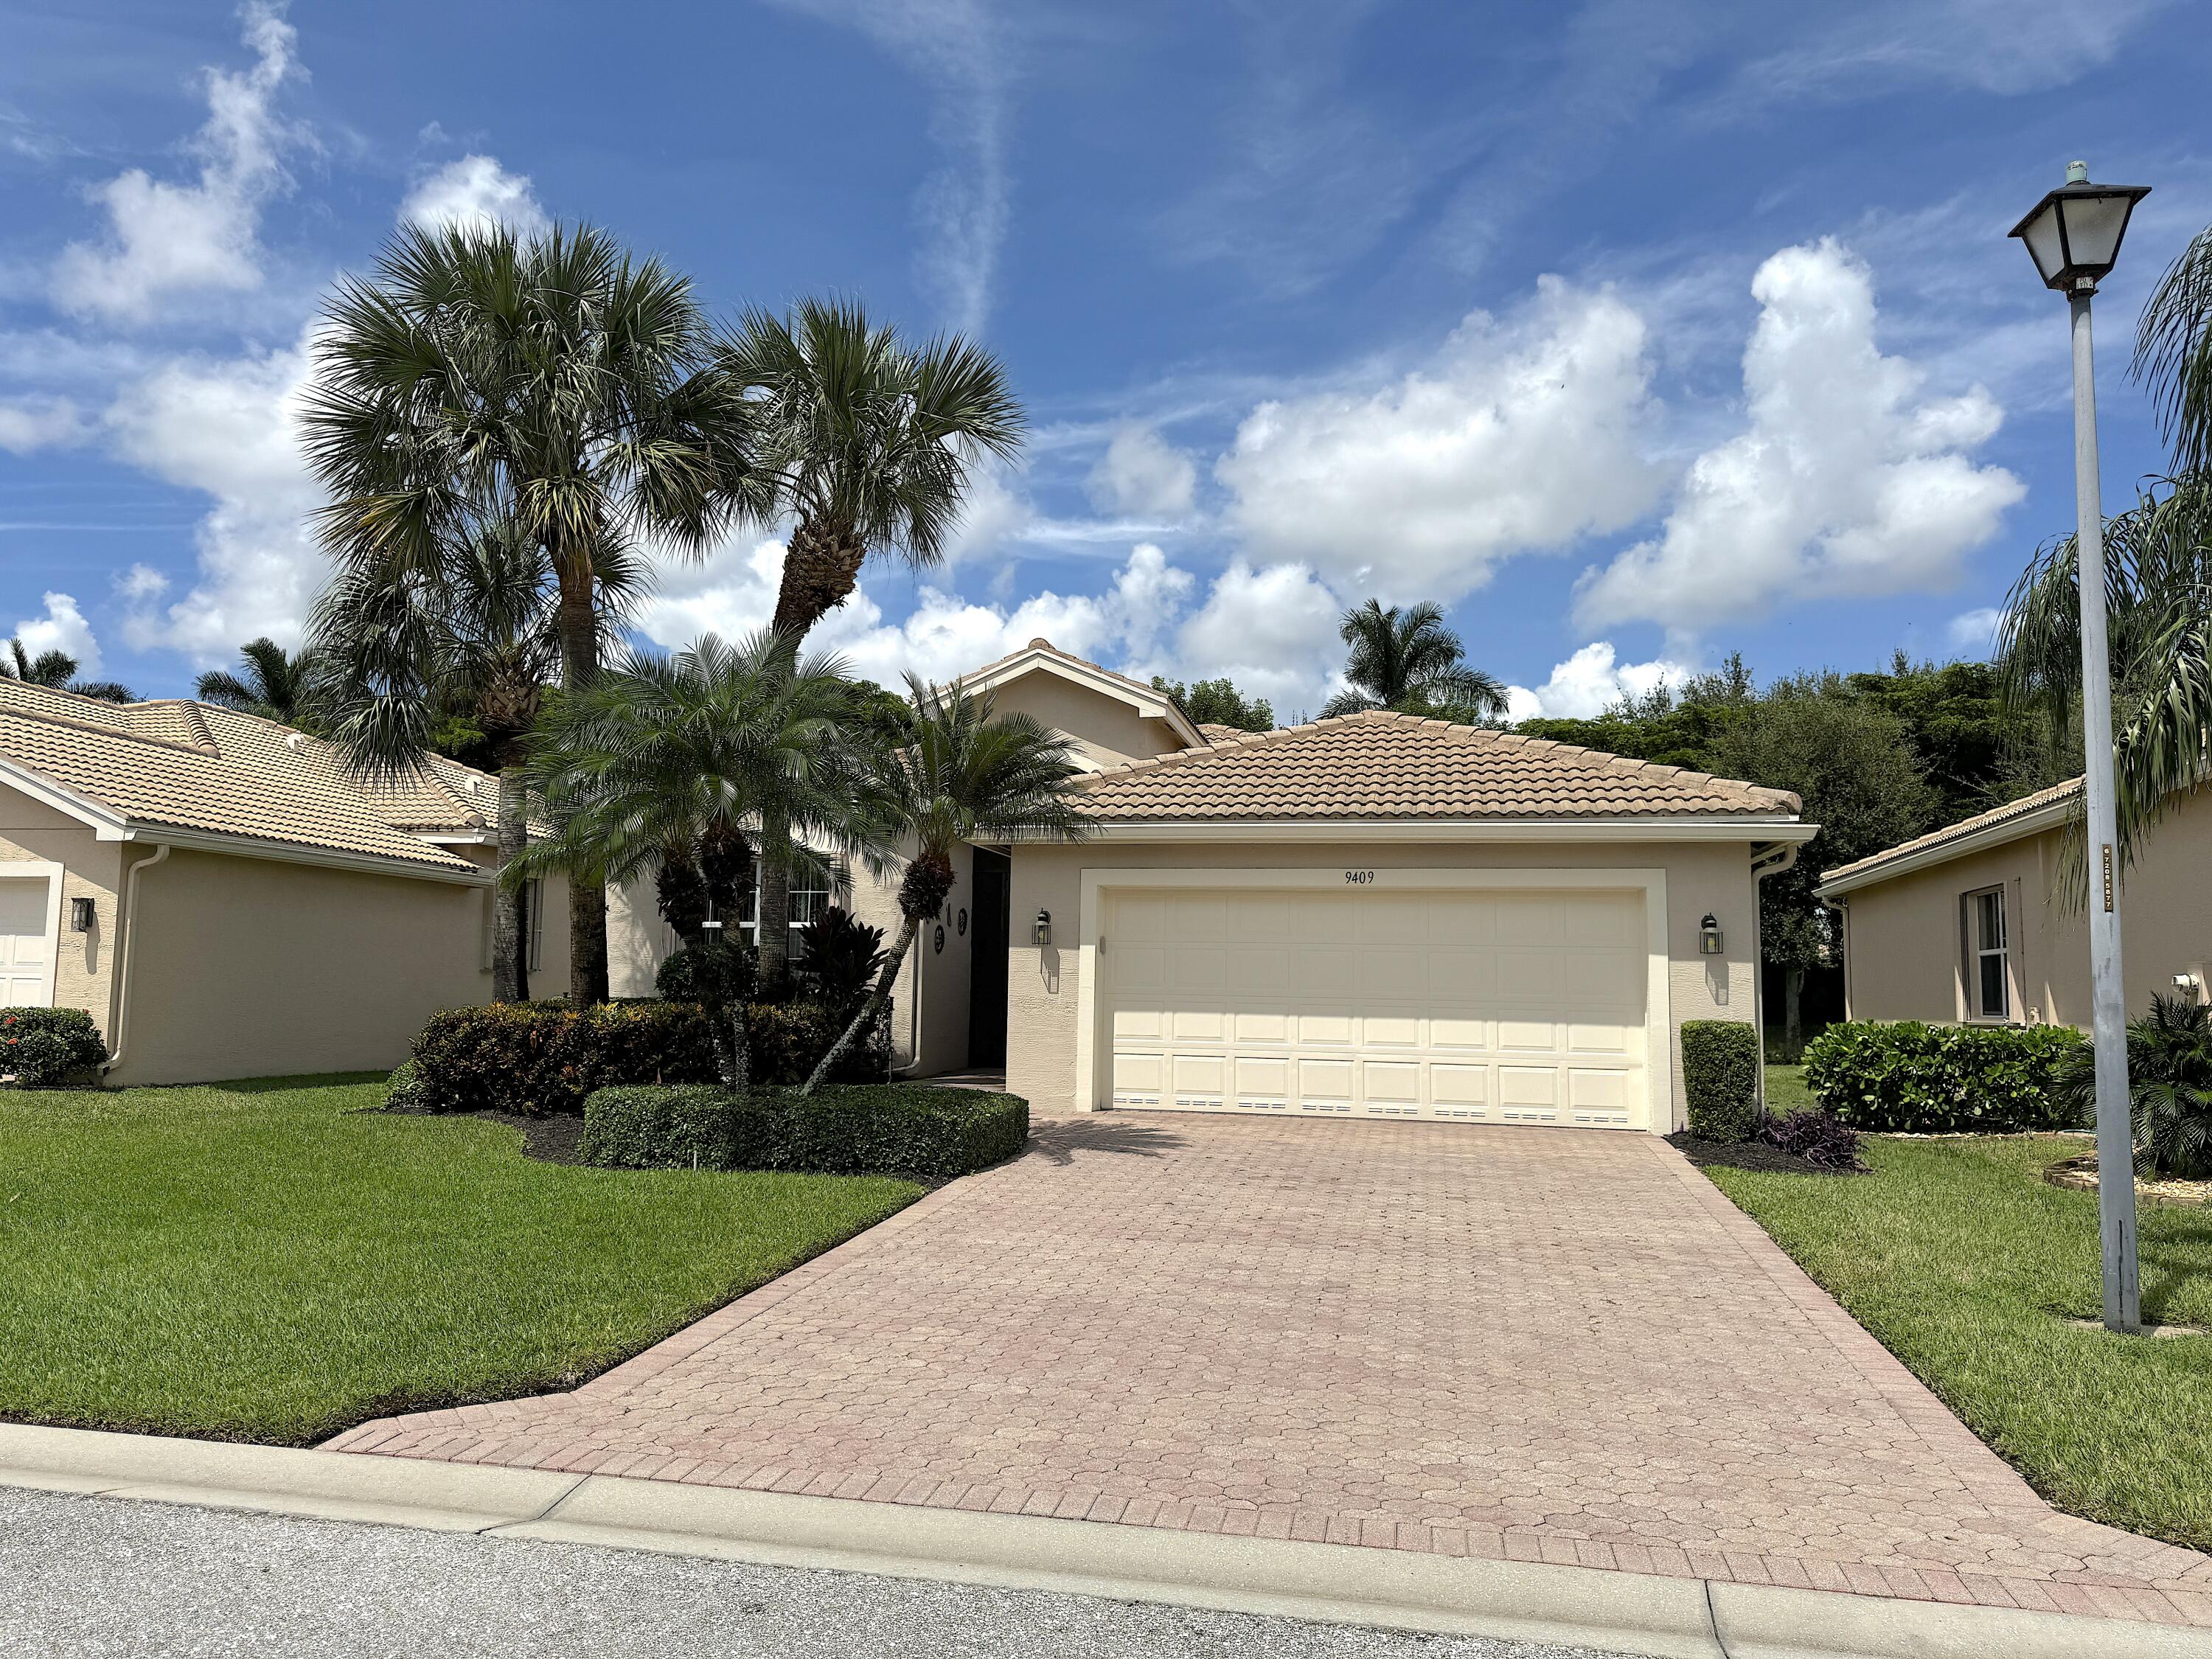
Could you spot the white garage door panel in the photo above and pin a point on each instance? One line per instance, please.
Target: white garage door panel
(1523, 1007)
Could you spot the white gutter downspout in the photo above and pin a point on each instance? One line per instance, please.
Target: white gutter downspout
(123, 957)
(1770, 860)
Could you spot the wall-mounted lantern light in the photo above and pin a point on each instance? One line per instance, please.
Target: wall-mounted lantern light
(1043, 928)
(80, 915)
(2188, 985)
(1708, 936)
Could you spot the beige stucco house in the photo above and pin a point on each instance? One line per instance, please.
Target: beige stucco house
(1377, 917)
(227, 902)
(1970, 924)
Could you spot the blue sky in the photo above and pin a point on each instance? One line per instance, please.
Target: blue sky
(1638, 331)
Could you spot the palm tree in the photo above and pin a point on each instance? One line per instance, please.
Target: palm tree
(1407, 661)
(277, 686)
(57, 671)
(668, 764)
(870, 442)
(552, 383)
(957, 773)
(477, 635)
(2158, 591)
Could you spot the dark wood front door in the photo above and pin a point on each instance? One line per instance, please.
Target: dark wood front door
(986, 985)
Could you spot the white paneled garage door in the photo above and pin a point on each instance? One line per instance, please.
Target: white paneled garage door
(1489, 1006)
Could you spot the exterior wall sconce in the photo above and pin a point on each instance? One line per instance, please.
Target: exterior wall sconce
(1043, 933)
(1708, 936)
(2189, 985)
(81, 916)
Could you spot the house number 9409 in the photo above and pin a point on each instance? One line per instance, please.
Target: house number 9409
(1359, 877)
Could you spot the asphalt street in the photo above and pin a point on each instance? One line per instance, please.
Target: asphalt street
(103, 1579)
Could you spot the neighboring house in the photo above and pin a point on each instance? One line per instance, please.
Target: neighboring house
(227, 900)
(1970, 925)
(1377, 916)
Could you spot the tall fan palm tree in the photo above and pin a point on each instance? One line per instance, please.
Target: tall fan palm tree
(57, 671)
(955, 773)
(478, 635)
(1407, 661)
(276, 684)
(2158, 591)
(668, 764)
(552, 383)
(871, 442)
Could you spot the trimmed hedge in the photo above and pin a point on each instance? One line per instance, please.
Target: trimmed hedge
(1719, 1079)
(537, 1058)
(48, 1048)
(906, 1129)
(1911, 1079)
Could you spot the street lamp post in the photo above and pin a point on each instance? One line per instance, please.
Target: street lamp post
(2074, 236)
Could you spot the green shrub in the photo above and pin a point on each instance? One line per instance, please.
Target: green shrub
(2169, 1087)
(906, 1129)
(790, 1038)
(1720, 1078)
(533, 1058)
(1911, 1079)
(48, 1047)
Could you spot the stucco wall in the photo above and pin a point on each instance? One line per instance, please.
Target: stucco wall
(1904, 954)
(1042, 984)
(253, 967)
(929, 998)
(84, 963)
(1106, 729)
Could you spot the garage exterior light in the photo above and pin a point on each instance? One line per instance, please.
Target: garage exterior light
(1043, 933)
(1709, 935)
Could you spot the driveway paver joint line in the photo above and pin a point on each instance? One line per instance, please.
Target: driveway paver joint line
(1495, 1343)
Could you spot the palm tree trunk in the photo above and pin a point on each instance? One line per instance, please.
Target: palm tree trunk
(821, 568)
(510, 964)
(739, 1072)
(871, 1010)
(772, 916)
(580, 665)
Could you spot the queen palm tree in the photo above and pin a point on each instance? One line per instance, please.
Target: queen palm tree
(957, 773)
(1407, 661)
(552, 383)
(57, 671)
(276, 684)
(871, 442)
(476, 636)
(669, 764)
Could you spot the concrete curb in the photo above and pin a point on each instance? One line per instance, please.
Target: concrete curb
(1669, 1618)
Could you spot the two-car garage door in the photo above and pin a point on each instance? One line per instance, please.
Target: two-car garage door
(1485, 1006)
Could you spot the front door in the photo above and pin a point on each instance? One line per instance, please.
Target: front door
(987, 971)
(25, 949)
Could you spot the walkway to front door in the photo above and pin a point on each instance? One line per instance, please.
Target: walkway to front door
(1524, 1344)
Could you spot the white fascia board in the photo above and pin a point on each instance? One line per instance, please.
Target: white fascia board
(1149, 704)
(285, 852)
(1459, 830)
(2050, 816)
(456, 838)
(105, 823)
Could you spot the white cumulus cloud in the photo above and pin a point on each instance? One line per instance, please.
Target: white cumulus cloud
(1846, 479)
(1270, 629)
(1975, 631)
(475, 191)
(62, 627)
(1143, 474)
(1590, 682)
(1523, 434)
(165, 237)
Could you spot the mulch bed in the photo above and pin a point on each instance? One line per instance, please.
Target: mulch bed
(2080, 1173)
(1754, 1155)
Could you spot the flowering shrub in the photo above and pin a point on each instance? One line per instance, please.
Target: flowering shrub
(50, 1048)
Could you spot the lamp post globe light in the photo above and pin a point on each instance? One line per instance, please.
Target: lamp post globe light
(2074, 236)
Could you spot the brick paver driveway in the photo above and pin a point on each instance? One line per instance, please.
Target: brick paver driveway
(1546, 1344)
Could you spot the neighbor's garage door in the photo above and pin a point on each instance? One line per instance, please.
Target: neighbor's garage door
(1488, 1007)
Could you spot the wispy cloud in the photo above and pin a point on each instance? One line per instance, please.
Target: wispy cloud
(964, 51)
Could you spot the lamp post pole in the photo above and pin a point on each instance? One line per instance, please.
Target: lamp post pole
(2116, 1152)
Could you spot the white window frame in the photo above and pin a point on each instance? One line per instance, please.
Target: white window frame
(1976, 951)
(839, 886)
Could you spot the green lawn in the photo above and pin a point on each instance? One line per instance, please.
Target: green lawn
(1958, 1257)
(1786, 1091)
(271, 1262)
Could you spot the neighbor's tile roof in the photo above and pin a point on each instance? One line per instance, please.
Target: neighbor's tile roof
(1381, 765)
(1212, 731)
(194, 766)
(1960, 830)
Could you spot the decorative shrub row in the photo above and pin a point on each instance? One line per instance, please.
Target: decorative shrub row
(1907, 1078)
(536, 1058)
(906, 1129)
(50, 1048)
(1720, 1078)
